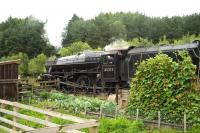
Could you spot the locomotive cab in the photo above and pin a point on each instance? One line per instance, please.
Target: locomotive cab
(110, 66)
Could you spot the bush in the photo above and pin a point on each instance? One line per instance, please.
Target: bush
(160, 84)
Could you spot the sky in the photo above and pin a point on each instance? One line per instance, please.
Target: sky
(57, 13)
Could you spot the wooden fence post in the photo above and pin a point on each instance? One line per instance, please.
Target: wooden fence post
(22, 98)
(100, 112)
(85, 111)
(57, 83)
(29, 100)
(117, 92)
(137, 114)
(94, 89)
(158, 119)
(48, 118)
(116, 112)
(185, 123)
(15, 109)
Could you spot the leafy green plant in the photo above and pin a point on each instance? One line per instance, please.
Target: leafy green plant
(77, 104)
(161, 84)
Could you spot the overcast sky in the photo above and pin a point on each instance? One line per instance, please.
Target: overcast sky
(59, 12)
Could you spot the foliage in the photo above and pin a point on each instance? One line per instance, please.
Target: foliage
(37, 65)
(3, 131)
(164, 40)
(23, 35)
(23, 67)
(120, 125)
(161, 84)
(74, 48)
(106, 27)
(78, 104)
(187, 39)
(163, 130)
(195, 129)
(140, 42)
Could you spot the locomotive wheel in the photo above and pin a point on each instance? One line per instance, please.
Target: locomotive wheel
(84, 80)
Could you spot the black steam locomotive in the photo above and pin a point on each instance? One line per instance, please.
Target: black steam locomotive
(108, 69)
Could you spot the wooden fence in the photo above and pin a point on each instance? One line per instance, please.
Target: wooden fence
(49, 126)
(147, 122)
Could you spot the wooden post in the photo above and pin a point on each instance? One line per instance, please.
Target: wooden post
(22, 98)
(116, 91)
(158, 119)
(57, 83)
(15, 109)
(48, 118)
(4, 91)
(45, 85)
(137, 114)
(185, 123)
(17, 91)
(74, 88)
(85, 113)
(94, 89)
(116, 112)
(32, 89)
(100, 112)
(29, 100)
(93, 130)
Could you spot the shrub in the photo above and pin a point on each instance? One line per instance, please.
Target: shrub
(161, 84)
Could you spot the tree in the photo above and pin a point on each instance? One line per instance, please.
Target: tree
(69, 33)
(107, 27)
(23, 35)
(37, 65)
(74, 48)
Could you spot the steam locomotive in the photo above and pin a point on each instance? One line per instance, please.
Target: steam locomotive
(108, 69)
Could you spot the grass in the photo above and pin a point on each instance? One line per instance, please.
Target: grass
(3, 131)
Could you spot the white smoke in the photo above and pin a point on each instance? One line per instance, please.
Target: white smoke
(119, 44)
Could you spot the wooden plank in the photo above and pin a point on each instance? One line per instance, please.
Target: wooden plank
(79, 125)
(10, 62)
(44, 130)
(51, 130)
(30, 118)
(67, 128)
(26, 128)
(8, 129)
(73, 131)
(45, 111)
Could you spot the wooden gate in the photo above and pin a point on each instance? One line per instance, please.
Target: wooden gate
(49, 126)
